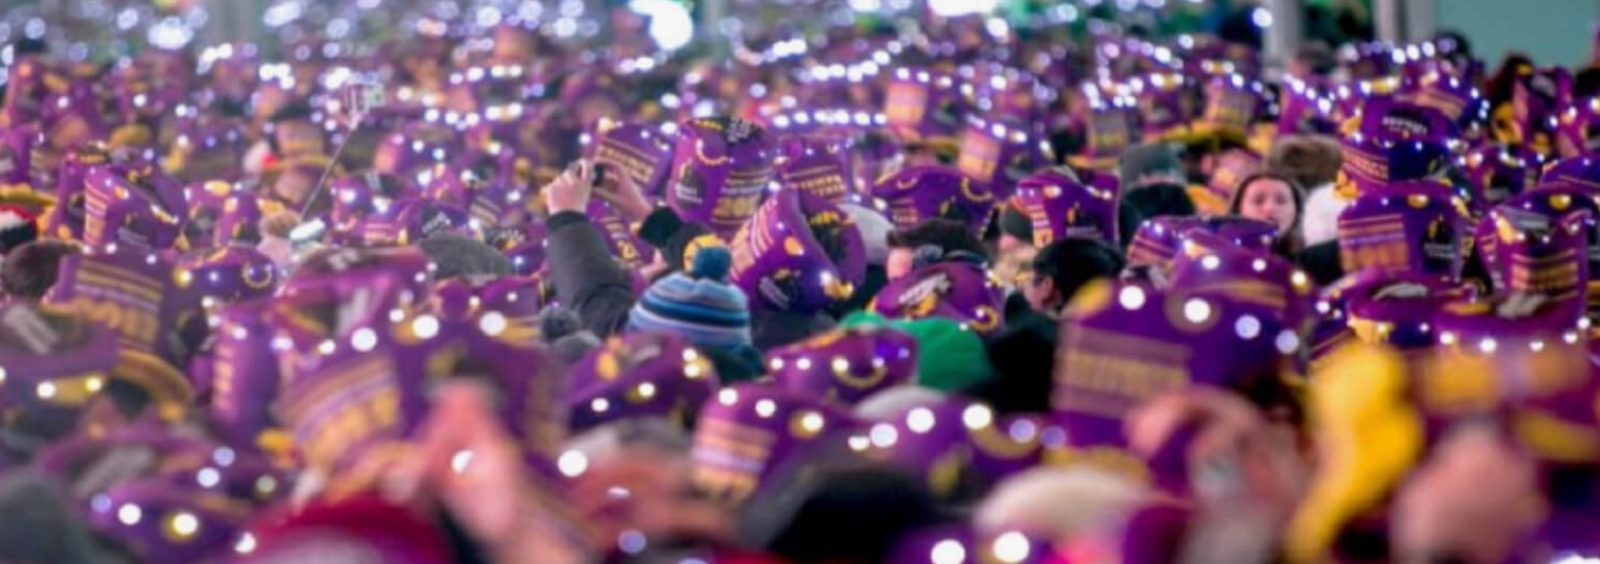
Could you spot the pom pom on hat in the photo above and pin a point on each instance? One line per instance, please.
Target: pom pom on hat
(712, 263)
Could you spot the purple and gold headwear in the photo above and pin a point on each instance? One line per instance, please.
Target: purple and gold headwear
(336, 291)
(1108, 131)
(751, 432)
(133, 205)
(846, 365)
(1060, 207)
(924, 105)
(640, 150)
(1409, 226)
(1233, 103)
(1497, 172)
(412, 151)
(1124, 343)
(1001, 154)
(1392, 142)
(1378, 307)
(950, 441)
(1305, 106)
(799, 253)
(1535, 103)
(52, 361)
(157, 520)
(620, 238)
(639, 375)
(227, 274)
(959, 291)
(206, 200)
(1232, 167)
(206, 149)
(817, 165)
(919, 193)
(138, 293)
(1212, 265)
(1159, 239)
(244, 373)
(1578, 129)
(1458, 99)
(422, 218)
(721, 170)
(1531, 223)
(1164, 104)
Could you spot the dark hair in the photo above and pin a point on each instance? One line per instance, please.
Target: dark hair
(1075, 261)
(30, 270)
(1148, 202)
(1288, 243)
(947, 234)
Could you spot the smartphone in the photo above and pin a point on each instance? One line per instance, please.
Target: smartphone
(600, 171)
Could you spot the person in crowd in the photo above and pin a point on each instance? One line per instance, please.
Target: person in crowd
(932, 241)
(30, 270)
(1275, 199)
(1152, 186)
(1311, 162)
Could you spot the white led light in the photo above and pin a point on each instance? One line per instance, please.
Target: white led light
(572, 463)
(920, 420)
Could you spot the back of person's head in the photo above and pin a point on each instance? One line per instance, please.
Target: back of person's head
(30, 270)
(948, 235)
(1072, 262)
(849, 513)
(458, 256)
(1148, 202)
(1309, 160)
(1150, 163)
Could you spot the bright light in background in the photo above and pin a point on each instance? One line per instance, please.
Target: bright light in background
(865, 5)
(1262, 17)
(670, 24)
(952, 8)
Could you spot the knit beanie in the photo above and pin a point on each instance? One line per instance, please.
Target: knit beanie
(699, 305)
(949, 357)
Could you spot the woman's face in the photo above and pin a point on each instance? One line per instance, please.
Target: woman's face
(1269, 200)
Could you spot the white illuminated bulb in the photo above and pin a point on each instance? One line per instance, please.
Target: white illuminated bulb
(363, 339)
(776, 364)
(920, 420)
(572, 463)
(1011, 547)
(129, 514)
(840, 364)
(883, 435)
(977, 416)
(94, 383)
(460, 460)
(803, 364)
(246, 544)
(492, 323)
(1287, 342)
(766, 408)
(185, 524)
(425, 327)
(1447, 338)
(1536, 346)
(948, 551)
(728, 396)
(811, 422)
(1131, 297)
(1196, 310)
(207, 477)
(1210, 262)
(1247, 327)
(647, 390)
(46, 390)
(1488, 345)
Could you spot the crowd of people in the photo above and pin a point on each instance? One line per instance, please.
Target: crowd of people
(940, 292)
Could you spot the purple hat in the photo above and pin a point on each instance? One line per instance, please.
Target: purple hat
(847, 364)
(640, 150)
(1108, 131)
(941, 440)
(244, 372)
(1497, 172)
(227, 274)
(1581, 170)
(1159, 239)
(750, 432)
(1395, 141)
(524, 246)
(422, 218)
(960, 544)
(639, 375)
(590, 95)
(1124, 343)
(1305, 106)
(135, 292)
(721, 169)
(1578, 129)
(1542, 211)
(239, 221)
(1458, 99)
(1000, 155)
(380, 373)
(336, 291)
(206, 149)
(1212, 265)
(1409, 226)
(919, 193)
(412, 151)
(1392, 308)
(799, 253)
(1061, 206)
(1164, 104)
(921, 104)
(1535, 101)
(206, 200)
(620, 238)
(954, 290)
(53, 360)
(1233, 103)
(816, 165)
(155, 520)
(133, 205)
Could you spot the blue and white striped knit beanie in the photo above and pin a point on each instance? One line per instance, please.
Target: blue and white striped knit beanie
(699, 305)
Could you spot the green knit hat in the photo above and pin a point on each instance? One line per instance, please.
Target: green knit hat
(949, 358)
